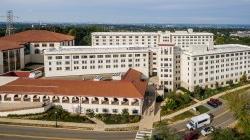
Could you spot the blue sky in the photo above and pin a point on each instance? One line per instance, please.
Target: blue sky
(130, 11)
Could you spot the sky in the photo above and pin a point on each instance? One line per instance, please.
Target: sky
(130, 11)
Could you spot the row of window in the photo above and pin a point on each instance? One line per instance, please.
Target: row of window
(98, 56)
(95, 67)
(44, 45)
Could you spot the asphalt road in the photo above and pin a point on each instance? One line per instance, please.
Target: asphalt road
(222, 118)
(14, 132)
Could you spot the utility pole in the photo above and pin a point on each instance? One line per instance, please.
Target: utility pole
(9, 22)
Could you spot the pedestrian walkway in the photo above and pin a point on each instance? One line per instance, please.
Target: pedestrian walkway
(141, 135)
(198, 103)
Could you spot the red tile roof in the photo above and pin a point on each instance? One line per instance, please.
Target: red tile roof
(135, 77)
(37, 36)
(8, 45)
(124, 88)
(24, 74)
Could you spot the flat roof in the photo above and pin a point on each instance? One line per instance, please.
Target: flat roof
(200, 117)
(96, 49)
(225, 48)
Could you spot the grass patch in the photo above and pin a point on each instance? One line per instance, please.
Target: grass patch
(182, 116)
(50, 115)
(118, 118)
(202, 109)
(132, 128)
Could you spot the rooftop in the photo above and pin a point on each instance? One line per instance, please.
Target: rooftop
(8, 45)
(99, 49)
(225, 48)
(37, 36)
(131, 86)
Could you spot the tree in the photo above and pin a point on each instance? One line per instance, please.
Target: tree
(243, 78)
(224, 134)
(90, 113)
(238, 104)
(72, 32)
(170, 104)
(230, 83)
(198, 91)
(164, 133)
(217, 85)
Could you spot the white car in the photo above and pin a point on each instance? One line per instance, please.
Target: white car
(207, 130)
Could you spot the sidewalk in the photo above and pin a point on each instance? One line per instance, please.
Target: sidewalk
(198, 104)
(99, 126)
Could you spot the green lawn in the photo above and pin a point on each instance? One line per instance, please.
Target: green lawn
(50, 115)
(202, 109)
(118, 118)
(182, 116)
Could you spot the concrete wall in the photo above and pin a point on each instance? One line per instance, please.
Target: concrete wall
(26, 111)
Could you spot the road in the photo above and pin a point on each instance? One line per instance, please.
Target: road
(16, 132)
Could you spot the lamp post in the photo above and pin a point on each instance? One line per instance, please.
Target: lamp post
(56, 118)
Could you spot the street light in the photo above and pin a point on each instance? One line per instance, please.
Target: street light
(56, 117)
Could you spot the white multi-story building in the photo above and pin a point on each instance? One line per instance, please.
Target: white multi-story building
(182, 39)
(206, 65)
(85, 60)
(168, 69)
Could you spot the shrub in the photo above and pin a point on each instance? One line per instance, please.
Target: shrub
(159, 99)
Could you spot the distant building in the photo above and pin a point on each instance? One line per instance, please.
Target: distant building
(36, 41)
(241, 34)
(80, 96)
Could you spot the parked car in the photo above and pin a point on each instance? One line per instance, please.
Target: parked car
(207, 130)
(35, 74)
(214, 102)
(217, 101)
(193, 135)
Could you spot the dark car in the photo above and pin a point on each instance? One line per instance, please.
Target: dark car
(217, 101)
(193, 135)
(214, 102)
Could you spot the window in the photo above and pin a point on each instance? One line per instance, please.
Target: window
(58, 57)
(51, 45)
(44, 45)
(37, 51)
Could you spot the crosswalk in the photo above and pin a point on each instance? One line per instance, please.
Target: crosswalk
(143, 134)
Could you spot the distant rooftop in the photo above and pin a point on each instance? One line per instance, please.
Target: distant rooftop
(37, 36)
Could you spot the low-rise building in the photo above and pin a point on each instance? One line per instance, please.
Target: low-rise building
(80, 96)
(86, 60)
(11, 56)
(36, 41)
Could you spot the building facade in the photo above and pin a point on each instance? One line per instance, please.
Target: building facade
(87, 60)
(182, 39)
(79, 96)
(207, 65)
(11, 56)
(36, 41)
